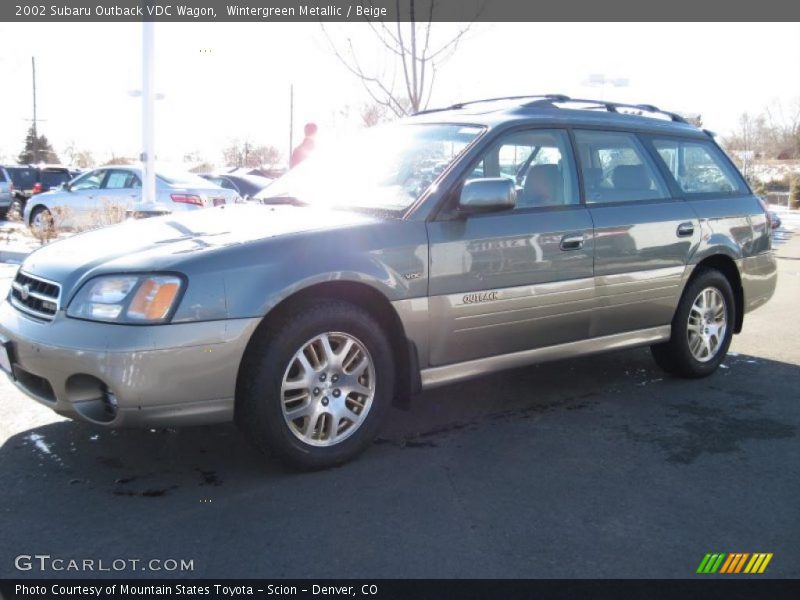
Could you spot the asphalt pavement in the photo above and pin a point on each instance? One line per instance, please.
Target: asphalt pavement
(596, 467)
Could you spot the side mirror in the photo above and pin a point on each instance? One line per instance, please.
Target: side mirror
(488, 195)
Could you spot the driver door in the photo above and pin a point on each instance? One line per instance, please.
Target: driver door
(519, 279)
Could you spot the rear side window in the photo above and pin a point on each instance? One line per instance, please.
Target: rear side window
(52, 179)
(2, 175)
(228, 185)
(616, 168)
(698, 167)
(119, 179)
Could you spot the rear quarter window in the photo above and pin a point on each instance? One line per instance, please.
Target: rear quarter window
(698, 167)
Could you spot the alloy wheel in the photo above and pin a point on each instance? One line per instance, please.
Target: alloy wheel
(328, 389)
(707, 324)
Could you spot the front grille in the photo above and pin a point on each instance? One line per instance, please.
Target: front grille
(34, 296)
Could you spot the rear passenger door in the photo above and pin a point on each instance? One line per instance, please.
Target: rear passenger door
(519, 279)
(120, 190)
(643, 237)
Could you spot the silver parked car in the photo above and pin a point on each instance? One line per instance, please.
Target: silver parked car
(6, 191)
(88, 196)
(458, 242)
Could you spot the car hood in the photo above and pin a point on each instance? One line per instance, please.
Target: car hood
(162, 243)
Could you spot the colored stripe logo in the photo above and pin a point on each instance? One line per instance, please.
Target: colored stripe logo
(735, 562)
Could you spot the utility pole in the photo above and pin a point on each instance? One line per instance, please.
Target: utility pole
(35, 130)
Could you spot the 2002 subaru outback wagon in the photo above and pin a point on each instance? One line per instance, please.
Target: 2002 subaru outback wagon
(488, 235)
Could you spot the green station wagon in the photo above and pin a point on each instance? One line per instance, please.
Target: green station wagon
(458, 242)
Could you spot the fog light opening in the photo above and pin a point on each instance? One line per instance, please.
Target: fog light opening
(92, 398)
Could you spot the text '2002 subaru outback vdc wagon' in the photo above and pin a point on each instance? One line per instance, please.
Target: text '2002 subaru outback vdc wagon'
(458, 242)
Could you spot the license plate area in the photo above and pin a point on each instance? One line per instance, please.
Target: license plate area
(218, 201)
(5, 357)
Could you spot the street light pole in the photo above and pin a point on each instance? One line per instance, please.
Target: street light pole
(35, 129)
(291, 120)
(148, 114)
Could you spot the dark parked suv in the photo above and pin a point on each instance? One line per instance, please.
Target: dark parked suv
(488, 235)
(29, 180)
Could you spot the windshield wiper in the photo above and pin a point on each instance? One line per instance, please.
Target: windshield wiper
(291, 200)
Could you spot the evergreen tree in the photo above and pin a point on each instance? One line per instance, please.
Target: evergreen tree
(37, 149)
(794, 191)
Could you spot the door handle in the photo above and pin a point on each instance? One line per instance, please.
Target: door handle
(685, 229)
(572, 241)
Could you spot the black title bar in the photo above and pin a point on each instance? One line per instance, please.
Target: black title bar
(276, 11)
(704, 587)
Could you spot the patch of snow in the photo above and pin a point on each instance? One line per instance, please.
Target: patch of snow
(38, 441)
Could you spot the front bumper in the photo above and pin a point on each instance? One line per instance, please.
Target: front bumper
(121, 375)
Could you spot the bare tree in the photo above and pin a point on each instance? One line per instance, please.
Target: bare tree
(784, 128)
(245, 154)
(373, 114)
(119, 160)
(405, 82)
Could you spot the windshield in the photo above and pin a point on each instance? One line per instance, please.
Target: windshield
(384, 168)
(23, 178)
(52, 179)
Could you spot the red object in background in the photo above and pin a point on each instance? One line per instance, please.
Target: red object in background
(37, 188)
(187, 199)
(306, 147)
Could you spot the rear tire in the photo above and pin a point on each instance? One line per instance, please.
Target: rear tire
(702, 327)
(316, 385)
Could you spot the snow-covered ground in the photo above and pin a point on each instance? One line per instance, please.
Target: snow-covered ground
(16, 241)
(790, 224)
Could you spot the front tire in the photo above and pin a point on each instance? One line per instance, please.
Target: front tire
(41, 219)
(702, 327)
(316, 385)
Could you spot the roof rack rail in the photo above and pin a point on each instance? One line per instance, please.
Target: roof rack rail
(606, 105)
(551, 100)
(456, 106)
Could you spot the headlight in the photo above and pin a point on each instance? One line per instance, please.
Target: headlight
(133, 299)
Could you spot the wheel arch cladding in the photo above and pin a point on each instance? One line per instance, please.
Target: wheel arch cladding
(727, 266)
(407, 378)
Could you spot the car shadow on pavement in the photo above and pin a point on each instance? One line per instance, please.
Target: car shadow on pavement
(461, 470)
(69, 457)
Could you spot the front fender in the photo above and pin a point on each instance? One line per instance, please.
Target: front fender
(390, 256)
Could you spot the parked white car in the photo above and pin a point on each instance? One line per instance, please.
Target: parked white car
(92, 196)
